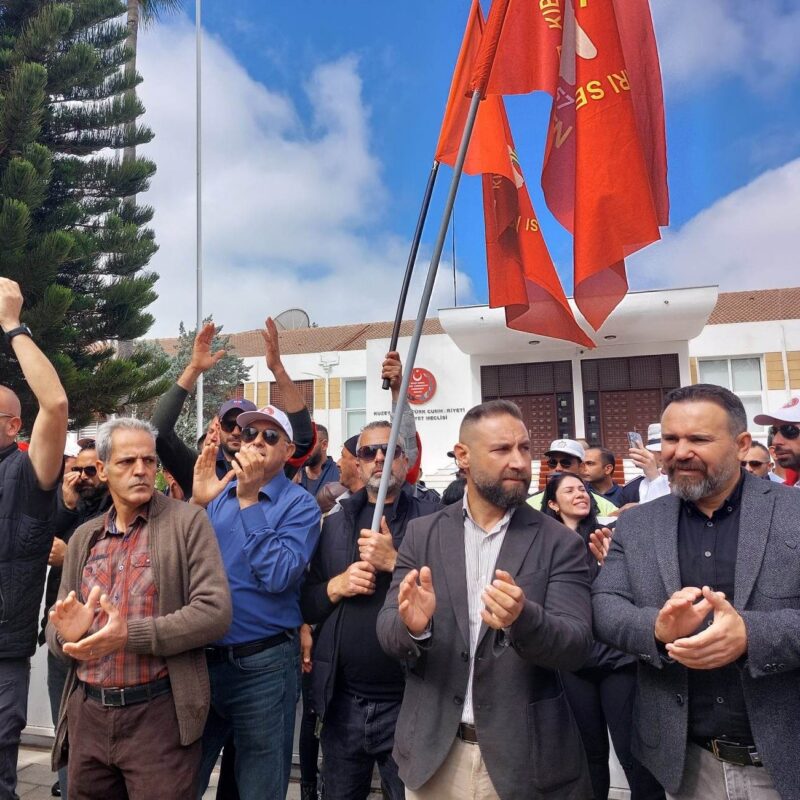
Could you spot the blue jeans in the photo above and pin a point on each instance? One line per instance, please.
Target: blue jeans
(57, 672)
(356, 734)
(255, 698)
(15, 676)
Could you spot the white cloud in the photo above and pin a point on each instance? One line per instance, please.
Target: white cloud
(749, 239)
(702, 42)
(292, 209)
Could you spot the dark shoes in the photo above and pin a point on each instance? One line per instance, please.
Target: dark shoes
(308, 791)
(55, 789)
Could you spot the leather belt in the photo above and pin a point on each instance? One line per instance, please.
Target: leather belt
(127, 695)
(467, 733)
(217, 653)
(742, 755)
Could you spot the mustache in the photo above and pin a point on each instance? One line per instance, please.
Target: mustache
(687, 463)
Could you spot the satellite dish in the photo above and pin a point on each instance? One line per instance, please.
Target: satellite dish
(292, 319)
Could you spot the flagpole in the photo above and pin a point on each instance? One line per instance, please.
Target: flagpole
(412, 257)
(199, 200)
(424, 303)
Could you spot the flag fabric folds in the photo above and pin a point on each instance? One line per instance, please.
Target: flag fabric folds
(605, 175)
(522, 277)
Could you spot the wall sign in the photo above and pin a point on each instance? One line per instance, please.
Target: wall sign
(421, 387)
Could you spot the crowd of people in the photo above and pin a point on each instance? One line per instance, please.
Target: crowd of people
(481, 644)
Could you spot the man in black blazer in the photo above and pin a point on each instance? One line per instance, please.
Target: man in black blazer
(489, 599)
(703, 585)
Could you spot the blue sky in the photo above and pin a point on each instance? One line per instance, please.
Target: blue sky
(321, 119)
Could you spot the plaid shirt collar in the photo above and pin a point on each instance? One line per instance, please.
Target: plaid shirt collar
(110, 520)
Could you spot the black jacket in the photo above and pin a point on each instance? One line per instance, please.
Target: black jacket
(26, 537)
(337, 549)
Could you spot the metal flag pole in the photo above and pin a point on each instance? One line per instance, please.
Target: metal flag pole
(412, 257)
(424, 302)
(199, 192)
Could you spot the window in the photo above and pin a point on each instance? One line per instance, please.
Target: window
(355, 406)
(740, 375)
(306, 389)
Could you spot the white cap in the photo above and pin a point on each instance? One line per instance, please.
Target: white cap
(654, 437)
(788, 413)
(71, 448)
(267, 413)
(568, 446)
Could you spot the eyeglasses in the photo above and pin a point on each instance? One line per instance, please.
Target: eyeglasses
(270, 436)
(566, 463)
(754, 464)
(369, 452)
(229, 425)
(787, 431)
(90, 471)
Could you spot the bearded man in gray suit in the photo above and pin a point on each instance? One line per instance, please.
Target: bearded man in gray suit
(704, 586)
(489, 599)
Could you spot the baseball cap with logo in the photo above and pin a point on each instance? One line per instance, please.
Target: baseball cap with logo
(262, 415)
(568, 446)
(788, 413)
(235, 405)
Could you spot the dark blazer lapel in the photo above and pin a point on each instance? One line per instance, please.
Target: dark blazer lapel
(758, 501)
(522, 531)
(454, 565)
(664, 526)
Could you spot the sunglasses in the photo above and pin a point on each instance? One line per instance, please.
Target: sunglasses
(787, 431)
(229, 425)
(369, 452)
(754, 464)
(90, 471)
(270, 436)
(566, 463)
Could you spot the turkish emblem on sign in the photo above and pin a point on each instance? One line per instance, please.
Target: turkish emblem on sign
(421, 387)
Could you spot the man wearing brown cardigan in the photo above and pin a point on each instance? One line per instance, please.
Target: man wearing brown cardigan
(143, 590)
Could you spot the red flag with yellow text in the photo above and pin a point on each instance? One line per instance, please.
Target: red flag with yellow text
(604, 175)
(522, 277)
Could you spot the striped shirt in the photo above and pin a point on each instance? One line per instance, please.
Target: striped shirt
(119, 562)
(481, 549)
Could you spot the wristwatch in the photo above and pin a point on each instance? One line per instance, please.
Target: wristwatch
(20, 329)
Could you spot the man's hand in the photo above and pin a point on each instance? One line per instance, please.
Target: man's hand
(504, 601)
(57, 553)
(272, 348)
(71, 618)
(111, 638)
(306, 645)
(206, 485)
(378, 548)
(646, 461)
(600, 543)
(202, 358)
(416, 601)
(69, 490)
(10, 304)
(720, 644)
(682, 614)
(249, 468)
(392, 370)
(358, 578)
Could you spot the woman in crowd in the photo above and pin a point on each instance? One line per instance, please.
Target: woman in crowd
(601, 693)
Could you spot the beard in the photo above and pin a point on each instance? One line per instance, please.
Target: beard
(501, 496)
(315, 459)
(374, 483)
(691, 488)
(90, 491)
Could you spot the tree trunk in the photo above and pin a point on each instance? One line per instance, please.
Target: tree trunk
(129, 153)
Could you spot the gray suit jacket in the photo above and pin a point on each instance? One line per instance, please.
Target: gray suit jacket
(640, 574)
(528, 738)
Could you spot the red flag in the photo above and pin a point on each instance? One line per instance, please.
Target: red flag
(604, 175)
(522, 277)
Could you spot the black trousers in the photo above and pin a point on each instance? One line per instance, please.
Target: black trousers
(601, 700)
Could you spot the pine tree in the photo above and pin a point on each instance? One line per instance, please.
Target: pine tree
(78, 252)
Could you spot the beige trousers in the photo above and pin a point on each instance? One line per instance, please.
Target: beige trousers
(462, 776)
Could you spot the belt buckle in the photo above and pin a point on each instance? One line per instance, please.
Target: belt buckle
(103, 702)
(715, 749)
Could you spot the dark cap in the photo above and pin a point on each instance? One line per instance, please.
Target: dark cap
(240, 406)
(351, 445)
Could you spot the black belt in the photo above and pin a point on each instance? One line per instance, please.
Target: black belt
(742, 755)
(467, 733)
(217, 653)
(127, 695)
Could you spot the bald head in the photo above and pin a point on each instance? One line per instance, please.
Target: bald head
(9, 402)
(491, 408)
(10, 421)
